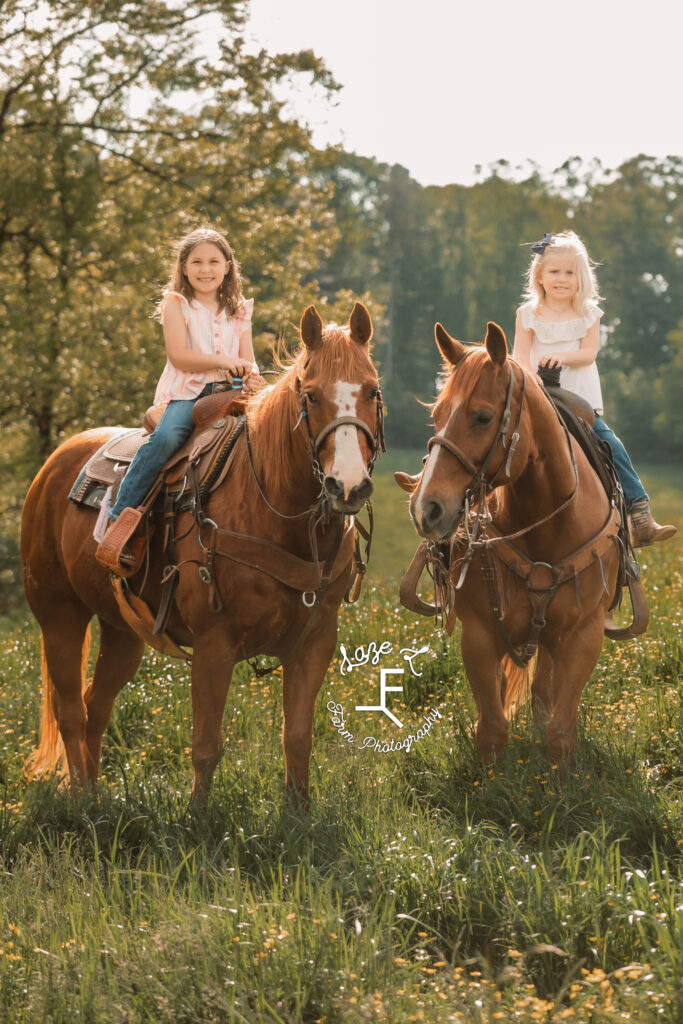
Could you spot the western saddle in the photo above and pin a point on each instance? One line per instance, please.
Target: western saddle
(200, 465)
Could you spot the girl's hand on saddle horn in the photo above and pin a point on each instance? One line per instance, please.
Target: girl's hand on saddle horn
(550, 362)
(253, 383)
(236, 366)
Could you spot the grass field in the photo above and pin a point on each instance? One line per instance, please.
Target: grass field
(420, 887)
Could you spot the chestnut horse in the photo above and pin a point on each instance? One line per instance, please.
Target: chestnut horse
(525, 537)
(304, 464)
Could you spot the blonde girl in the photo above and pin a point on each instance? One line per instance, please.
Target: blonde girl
(207, 334)
(558, 324)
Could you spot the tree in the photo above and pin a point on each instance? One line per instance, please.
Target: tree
(119, 131)
(667, 391)
(632, 221)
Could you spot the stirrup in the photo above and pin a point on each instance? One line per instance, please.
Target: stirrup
(119, 551)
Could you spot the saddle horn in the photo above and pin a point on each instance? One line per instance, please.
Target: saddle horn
(407, 482)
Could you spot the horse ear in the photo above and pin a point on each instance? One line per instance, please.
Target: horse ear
(311, 329)
(406, 482)
(360, 324)
(496, 345)
(451, 350)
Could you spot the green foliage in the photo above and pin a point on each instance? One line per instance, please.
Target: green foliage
(119, 132)
(668, 387)
(458, 255)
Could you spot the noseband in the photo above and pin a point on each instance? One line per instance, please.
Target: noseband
(479, 479)
(376, 438)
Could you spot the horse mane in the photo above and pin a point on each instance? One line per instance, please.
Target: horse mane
(273, 411)
(467, 376)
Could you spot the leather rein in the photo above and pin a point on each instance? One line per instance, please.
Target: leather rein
(480, 486)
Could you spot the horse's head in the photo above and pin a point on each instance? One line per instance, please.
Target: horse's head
(475, 416)
(341, 405)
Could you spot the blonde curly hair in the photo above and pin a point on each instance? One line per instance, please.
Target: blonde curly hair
(570, 243)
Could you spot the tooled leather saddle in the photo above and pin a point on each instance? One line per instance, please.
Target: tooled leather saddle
(219, 422)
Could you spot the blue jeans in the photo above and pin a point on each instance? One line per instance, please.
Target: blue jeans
(628, 478)
(170, 434)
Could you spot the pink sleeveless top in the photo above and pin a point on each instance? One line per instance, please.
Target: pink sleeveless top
(205, 333)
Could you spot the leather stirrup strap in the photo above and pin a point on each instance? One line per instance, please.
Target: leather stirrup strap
(139, 616)
(408, 590)
(170, 577)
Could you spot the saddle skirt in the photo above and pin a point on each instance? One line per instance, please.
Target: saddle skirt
(597, 451)
(207, 450)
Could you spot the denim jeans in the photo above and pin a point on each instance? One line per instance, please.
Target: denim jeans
(628, 478)
(171, 432)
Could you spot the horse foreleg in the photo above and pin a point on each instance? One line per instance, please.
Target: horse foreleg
(573, 661)
(542, 695)
(484, 673)
(117, 660)
(303, 675)
(212, 671)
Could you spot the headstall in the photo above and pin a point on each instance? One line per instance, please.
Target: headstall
(479, 480)
(376, 438)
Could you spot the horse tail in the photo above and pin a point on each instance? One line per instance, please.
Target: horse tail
(50, 756)
(514, 685)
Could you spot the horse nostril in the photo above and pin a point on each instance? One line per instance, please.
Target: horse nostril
(432, 514)
(334, 487)
(361, 492)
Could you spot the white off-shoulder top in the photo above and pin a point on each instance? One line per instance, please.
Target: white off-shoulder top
(565, 336)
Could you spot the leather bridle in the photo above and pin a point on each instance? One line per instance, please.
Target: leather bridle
(375, 438)
(479, 479)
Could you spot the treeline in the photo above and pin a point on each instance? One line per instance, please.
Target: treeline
(123, 124)
(458, 254)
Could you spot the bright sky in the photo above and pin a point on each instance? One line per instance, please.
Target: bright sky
(443, 85)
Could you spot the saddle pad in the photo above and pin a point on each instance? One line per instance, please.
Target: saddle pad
(102, 466)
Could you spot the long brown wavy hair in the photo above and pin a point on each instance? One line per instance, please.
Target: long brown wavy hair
(230, 296)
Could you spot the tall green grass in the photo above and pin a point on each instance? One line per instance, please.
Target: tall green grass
(419, 886)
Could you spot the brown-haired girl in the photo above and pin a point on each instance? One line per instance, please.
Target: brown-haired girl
(207, 334)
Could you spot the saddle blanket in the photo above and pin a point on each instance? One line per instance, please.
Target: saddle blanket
(102, 469)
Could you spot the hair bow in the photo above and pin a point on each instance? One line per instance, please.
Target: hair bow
(540, 247)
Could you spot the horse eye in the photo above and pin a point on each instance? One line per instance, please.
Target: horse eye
(311, 398)
(482, 418)
(374, 392)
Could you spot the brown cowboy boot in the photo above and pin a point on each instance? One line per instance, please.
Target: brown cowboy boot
(643, 528)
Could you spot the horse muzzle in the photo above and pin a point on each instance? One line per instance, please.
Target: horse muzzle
(351, 501)
(434, 519)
